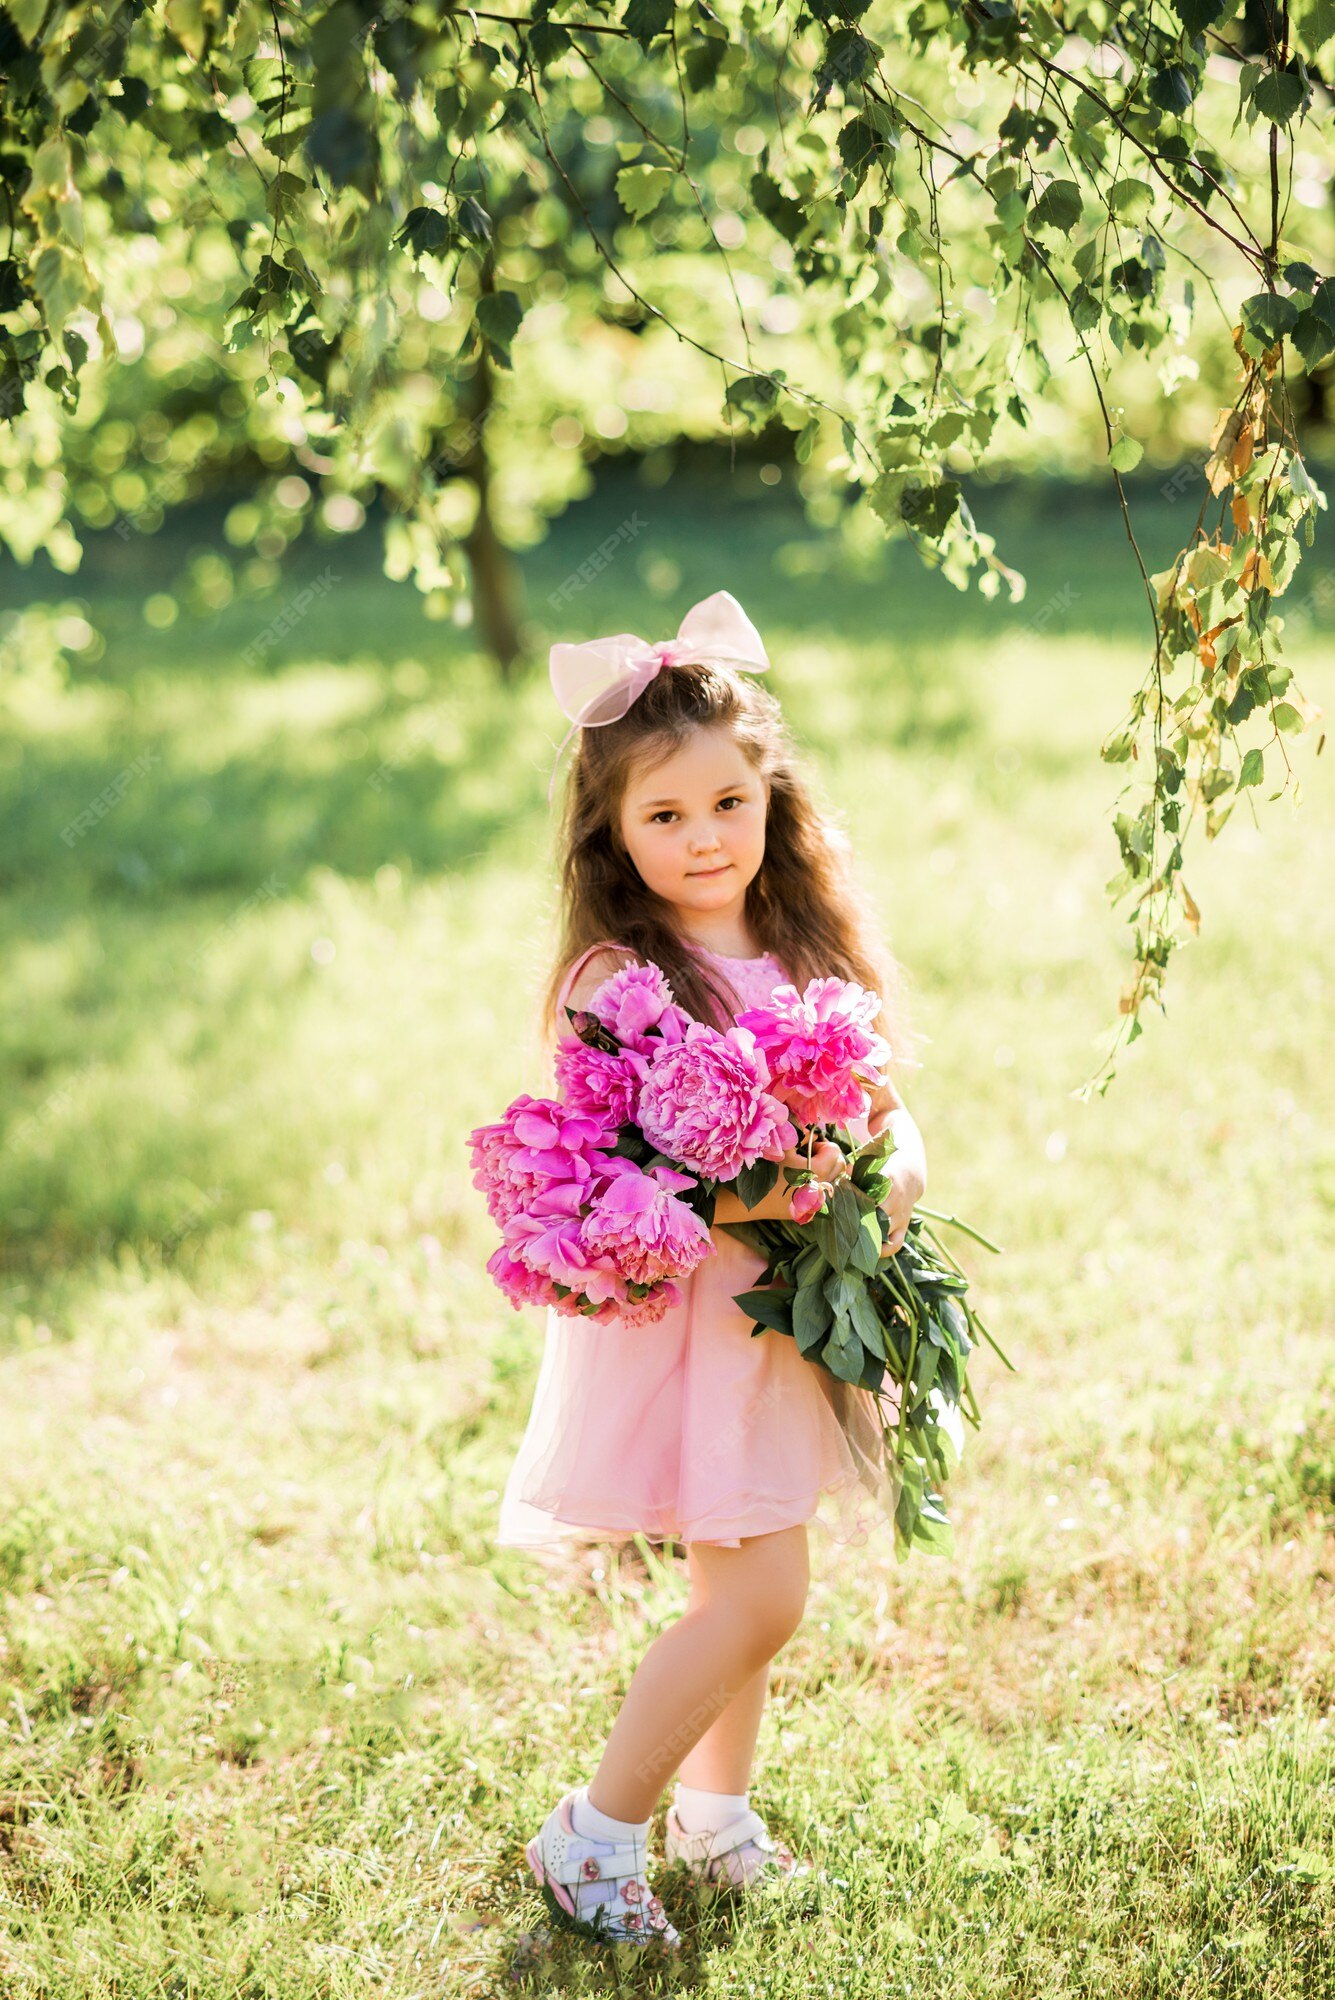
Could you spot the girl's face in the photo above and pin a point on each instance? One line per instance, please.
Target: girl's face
(694, 825)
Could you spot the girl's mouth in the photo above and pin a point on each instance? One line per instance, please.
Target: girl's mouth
(702, 874)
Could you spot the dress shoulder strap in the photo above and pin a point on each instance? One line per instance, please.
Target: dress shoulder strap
(604, 944)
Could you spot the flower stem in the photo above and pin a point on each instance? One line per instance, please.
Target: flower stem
(954, 1220)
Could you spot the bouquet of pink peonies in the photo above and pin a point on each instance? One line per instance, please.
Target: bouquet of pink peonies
(605, 1195)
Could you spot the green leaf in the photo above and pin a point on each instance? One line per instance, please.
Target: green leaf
(1266, 318)
(844, 1355)
(754, 395)
(1130, 199)
(865, 1255)
(1058, 207)
(1172, 88)
(641, 189)
(933, 1532)
(811, 1316)
(474, 220)
(846, 1221)
(498, 315)
(647, 18)
(867, 1321)
(780, 210)
(1323, 302)
(60, 280)
(1126, 454)
(1197, 15)
(1313, 336)
(1086, 309)
(27, 16)
(859, 145)
(1253, 768)
(930, 508)
(753, 1183)
(1278, 95)
(704, 59)
(772, 1309)
(1314, 23)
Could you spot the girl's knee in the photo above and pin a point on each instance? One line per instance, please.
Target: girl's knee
(773, 1622)
(761, 1587)
(776, 1601)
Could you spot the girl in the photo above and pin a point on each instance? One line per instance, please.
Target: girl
(691, 840)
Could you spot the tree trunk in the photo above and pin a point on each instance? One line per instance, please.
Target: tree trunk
(495, 574)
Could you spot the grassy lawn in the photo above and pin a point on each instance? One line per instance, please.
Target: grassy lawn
(275, 1716)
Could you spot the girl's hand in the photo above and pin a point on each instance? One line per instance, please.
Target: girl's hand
(828, 1163)
(906, 1169)
(907, 1186)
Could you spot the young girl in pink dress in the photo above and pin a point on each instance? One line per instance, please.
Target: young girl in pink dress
(691, 840)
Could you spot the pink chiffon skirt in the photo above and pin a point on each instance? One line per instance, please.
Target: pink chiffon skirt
(693, 1429)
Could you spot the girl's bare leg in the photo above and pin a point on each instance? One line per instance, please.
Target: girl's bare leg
(745, 1604)
(722, 1758)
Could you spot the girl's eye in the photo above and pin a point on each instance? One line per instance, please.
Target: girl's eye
(733, 799)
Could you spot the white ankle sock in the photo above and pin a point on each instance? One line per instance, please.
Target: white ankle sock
(600, 1825)
(707, 1812)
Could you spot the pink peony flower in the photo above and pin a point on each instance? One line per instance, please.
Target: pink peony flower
(521, 1286)
(625, 1311)
(706, 1103)
(638, 1224)
(651, 1308)
(821, 1048)
(536, 1142)
(605, 1086)
(636, 1004)
(807, 1199)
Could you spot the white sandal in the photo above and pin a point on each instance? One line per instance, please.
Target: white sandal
(735, 1856)
(630, 1913)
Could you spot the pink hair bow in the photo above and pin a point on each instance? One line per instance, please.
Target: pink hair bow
(597, 681)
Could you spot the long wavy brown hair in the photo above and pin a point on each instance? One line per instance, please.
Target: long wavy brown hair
(803, 905)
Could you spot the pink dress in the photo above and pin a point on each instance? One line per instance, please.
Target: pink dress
(690, 1429)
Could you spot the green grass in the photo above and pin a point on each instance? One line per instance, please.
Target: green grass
(275, 1716)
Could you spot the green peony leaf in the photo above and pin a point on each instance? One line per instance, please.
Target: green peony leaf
(754, 1182)
(773, 1309)
(811, 1316)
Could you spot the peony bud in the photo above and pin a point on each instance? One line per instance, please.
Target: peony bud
(807, 1199)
